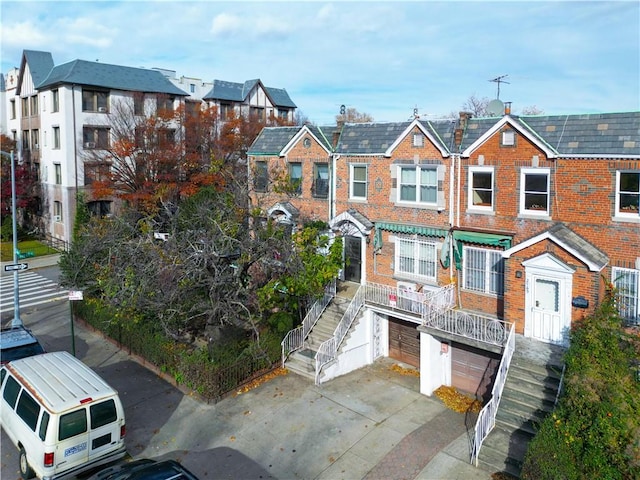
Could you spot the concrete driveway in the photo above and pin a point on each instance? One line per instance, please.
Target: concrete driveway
(372, 423)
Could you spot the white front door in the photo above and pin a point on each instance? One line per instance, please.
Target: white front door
(548, 301)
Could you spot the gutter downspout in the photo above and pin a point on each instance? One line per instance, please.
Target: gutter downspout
(75, 161)
(332, 195)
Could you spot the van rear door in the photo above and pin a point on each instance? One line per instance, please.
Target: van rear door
(104, 432)
(72, 448)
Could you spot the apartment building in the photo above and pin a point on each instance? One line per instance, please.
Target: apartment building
(526, 218)
(62, 118)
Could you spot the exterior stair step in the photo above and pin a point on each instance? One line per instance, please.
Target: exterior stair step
(500, 441)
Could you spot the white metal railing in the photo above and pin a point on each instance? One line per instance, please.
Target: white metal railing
(469, 325)
(487, 416)
(328, 350)
(294, 340)
(423, 304)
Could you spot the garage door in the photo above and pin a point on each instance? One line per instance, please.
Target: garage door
(473, 370)
(404, 342)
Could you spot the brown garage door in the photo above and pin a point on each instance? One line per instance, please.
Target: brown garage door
(404, 342)
(473, 370)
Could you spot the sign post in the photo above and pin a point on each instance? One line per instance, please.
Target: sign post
(74, 295)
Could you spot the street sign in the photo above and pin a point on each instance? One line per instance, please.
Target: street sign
(16, 266)
(75, 294)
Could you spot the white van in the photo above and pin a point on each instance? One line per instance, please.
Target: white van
(61, 415)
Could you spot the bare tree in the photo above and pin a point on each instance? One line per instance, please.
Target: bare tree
(352, 115)
(532, 110)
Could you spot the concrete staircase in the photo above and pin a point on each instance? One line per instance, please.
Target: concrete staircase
(302, 361)
(529, 395)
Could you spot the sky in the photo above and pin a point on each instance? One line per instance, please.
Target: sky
(384, 58)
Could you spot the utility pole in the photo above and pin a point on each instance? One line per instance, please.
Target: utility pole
(17, 321)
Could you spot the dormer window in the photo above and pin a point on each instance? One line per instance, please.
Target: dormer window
(508, 138)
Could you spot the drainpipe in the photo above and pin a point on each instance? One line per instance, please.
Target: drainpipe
(75, 162)
(332, 192)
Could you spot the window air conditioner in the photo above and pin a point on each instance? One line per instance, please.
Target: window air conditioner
(102, 109)
(56, 218)
(90, 145)
(407, 286)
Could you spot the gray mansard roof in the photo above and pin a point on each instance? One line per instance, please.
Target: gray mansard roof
(95, 74)
(237, 92)
(40, 64)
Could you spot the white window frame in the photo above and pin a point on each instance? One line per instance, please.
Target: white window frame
(524, 193)
(418, 140)
(627, 283)
(620, 212)
(481, 261)
(418, 184)
(508, 138)
(423, 254)
(471, 190)
(353, 182)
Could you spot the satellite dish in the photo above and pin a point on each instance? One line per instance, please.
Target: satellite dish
(495, 108)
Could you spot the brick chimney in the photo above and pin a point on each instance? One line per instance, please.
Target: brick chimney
(462, 124)
(337, 132)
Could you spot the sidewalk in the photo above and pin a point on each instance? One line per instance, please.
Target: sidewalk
(34, 262)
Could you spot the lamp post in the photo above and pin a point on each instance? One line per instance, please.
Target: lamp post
(17, 321)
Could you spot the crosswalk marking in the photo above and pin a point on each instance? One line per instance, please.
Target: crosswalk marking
(34, 289)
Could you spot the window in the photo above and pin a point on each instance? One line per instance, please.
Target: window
(358, 186)
(33, 101)
(481, 187)
(11, 391)
(99, 208)
(483, 270)
(25, 106)
(534, 191)
(25, 140)
(508, 138)
(56, 137)
(95, 101)
(418, 184)
(225, 109)
(418, 140)
(628, 193)
(28, 410)
(261, 177)
(95, 137)
(192, 87)
(44, 424)
(138, 103)
(256, 112)
(627, 283)
(415, 258)
(164, 103)
(72, 424)
(295, 178)
(96, 172)
(57, 211)
(12, 109)
(283, 114)
(55, 100)
(103, 413)
(35, 139)
(58, 169)
(320, 187)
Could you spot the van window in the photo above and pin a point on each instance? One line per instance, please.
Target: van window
(11, 390)
(28, 410)
(72, 424)
(3, 373)
(103, 413)
(44, 423)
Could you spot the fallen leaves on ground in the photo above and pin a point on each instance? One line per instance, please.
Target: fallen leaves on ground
(404, 371)
(502, 476)
(278, 372)
(456, 401)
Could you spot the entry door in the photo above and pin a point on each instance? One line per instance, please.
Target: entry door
(352, 259)
(404, 342)
(546, 320)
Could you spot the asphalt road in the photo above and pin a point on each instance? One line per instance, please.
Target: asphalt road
(286, 428)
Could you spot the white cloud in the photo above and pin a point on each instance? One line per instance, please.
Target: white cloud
(225, 24)
(23, 34)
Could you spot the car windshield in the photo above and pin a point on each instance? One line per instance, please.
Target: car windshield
(22, 351)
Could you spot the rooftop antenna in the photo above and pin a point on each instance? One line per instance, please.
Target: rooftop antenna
(499, 80)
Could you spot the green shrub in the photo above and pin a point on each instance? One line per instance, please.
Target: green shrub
(595, 431)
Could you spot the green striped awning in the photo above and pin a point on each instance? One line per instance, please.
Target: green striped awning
(491, 239)
(404, 228)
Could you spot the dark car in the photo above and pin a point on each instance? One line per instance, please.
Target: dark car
(145, 469)
(18, 342)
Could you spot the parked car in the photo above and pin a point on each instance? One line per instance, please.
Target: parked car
(18, 342)
(145, 469)
(62, 417)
